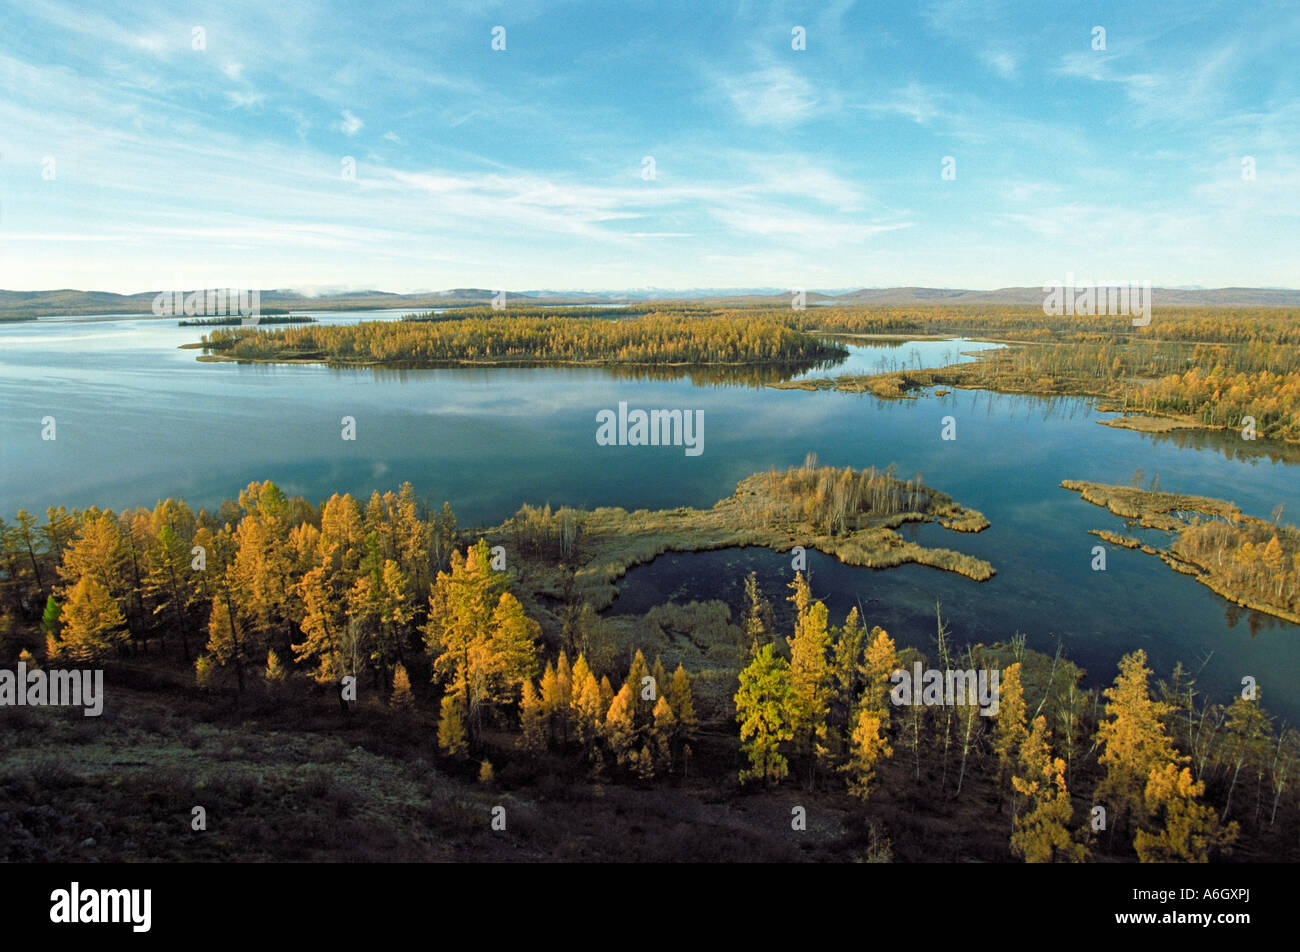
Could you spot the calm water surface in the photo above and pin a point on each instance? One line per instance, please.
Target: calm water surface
(139, 419)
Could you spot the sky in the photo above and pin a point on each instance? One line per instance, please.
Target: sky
(344, 146)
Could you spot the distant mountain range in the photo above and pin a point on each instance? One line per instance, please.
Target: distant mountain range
(66, 302)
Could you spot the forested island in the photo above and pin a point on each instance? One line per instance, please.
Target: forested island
(235, 320)
(483, 675)
(656, 339)
(1199, 367)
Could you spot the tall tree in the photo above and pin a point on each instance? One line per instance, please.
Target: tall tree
(1132, 738)
(868, 745)
(459, 634)
(1248, 743)
(662, 734)
(1011, 732)
(92, 625)
(759, 625)
(532, 722)
(323, 625)
(1187, 831)
(1042, 831)
(170, 581)
(679, 696)
(451, 729)
(765, 712)
(620, 727)
(810, 677)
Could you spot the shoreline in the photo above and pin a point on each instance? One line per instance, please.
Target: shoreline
(1152, 510)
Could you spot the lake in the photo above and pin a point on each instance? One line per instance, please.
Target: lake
(139, 419)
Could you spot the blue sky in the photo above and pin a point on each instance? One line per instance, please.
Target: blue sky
(524, 168)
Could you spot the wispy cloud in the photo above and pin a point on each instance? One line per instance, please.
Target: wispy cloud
(240, 100)
(774, 95)
(523, 168)
(350, 125)
(1003, 63)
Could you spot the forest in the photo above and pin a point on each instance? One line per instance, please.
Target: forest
(271, 601)
(236, 320)
(652, 339)
(1214, 367)
(1177, 779)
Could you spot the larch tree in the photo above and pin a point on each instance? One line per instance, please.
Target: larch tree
(880, 660)
(588, 713)
(1186, 831)
(1248, 743)
(548, 703)
(170, 583)
(810, 677)
(759, 626)
(868, 745)
(1042, 832)
(607, 692)
(92, 624)
(275, 674)
(411, 534)
(459, 631)
(1010, 733)
(395, 611)
(24, 533)
(679, 696)
(323, 624)
(620, 727)
(870, 720)
(642, 705)
(563, 695)
(401, 699)
(532, 722)
(1132, 738)
(846, 656)
(451, 727)
(260, 572)
(765, 712)
(662, 733)
(512, 650)
(98, 551)
(660, 680)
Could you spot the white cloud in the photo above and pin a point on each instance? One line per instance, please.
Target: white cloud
(914, 101)
(350, 125)
(1003, 63)
(240, 100)
(789, 225)
(776, 95)
(233, 70)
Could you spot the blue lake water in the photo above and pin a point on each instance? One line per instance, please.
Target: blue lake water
(139, 419)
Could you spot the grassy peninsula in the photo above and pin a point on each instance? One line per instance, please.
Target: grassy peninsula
(1189, 368)
(1252, 562)
(846, 513)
